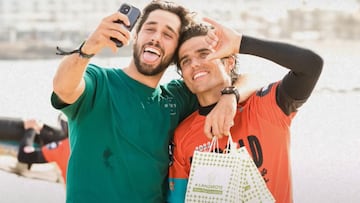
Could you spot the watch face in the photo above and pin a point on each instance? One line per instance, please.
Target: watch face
(228, 90)
(231, 90)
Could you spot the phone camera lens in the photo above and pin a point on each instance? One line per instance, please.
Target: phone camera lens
(125, 9)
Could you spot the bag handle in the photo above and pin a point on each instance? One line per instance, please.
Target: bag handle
(214, 142)
(230, 142)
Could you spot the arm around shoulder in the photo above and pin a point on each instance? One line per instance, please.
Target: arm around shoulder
(246, 84)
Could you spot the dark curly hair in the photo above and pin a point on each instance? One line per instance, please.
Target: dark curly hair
(186, 17)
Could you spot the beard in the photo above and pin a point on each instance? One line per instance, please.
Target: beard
(146, 69)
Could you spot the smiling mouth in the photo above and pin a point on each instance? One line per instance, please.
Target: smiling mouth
(199, 75)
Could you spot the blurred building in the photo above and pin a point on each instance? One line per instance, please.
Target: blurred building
(49, 20)
(41, 23)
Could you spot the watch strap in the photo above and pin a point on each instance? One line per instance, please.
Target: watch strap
(231, 90)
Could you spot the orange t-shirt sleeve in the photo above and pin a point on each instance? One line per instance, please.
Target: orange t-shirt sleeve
(59, 154)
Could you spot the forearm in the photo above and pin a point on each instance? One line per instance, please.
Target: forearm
(246, 86)
(68, 81)
(305, 65)
(289, 56)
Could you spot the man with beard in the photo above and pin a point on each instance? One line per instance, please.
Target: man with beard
(121, 120)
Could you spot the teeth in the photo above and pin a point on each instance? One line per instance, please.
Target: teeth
(197, 75)
(152, 50)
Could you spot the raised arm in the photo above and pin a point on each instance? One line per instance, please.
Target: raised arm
(305, 65)
(305, 68)
(68, 82)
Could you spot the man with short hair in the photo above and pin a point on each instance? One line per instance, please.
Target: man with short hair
(261, 123)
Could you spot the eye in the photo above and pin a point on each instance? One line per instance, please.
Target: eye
(168, 35)
(203, 55)
(150, 29)
(185, 62)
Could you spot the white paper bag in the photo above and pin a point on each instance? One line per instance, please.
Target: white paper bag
(230, 177)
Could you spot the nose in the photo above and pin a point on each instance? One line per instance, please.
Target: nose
(156, 36)
(195, 63)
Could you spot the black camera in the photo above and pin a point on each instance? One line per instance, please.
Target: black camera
(125, 9)
(133, 14)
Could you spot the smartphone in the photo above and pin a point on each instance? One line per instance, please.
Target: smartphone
(133, 14)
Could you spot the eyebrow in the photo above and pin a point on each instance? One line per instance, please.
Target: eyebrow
(167, 26)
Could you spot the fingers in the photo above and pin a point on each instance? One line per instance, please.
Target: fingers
(226, 127)
(215, 130)
(218, 127)
(222, 128)
(212, 39)
(221, 118)
(212, 22)
(113, 26)
(207, 129)
(211, 128)
(118, 17)
(223, 40)
(214, 55)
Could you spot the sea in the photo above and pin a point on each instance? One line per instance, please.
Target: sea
(326, 134)
(26, 85)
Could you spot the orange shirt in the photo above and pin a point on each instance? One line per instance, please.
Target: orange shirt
(260, 126)
(59, 154)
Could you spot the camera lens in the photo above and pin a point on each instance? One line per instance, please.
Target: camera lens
(125, 9)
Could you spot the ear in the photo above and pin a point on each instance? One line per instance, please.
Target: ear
(229, 63)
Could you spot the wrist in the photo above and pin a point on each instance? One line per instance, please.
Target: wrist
(231, 90)
(79, 51)
(83, 54)
(238, 42)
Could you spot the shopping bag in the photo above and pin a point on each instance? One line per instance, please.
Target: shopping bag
(227, 177)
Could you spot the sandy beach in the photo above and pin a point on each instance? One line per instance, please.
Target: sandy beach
(325, 156)
(16, 189)
(325, 132)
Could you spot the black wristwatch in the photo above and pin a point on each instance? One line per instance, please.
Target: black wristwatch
(231, 90)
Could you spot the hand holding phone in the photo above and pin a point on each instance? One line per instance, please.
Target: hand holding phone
(133, 14)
